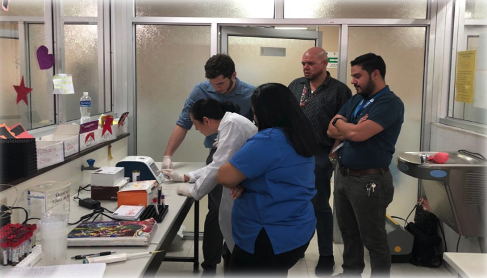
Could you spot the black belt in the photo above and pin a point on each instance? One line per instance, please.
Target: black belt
(361, 172)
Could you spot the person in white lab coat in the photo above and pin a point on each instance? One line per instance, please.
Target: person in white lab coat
(210, 116)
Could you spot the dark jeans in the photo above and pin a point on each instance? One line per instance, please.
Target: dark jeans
(361, 220)
(226, 255)
(212, 237)
(321, 202)
(263, 261)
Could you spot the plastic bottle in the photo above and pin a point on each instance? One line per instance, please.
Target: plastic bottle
(85, 108)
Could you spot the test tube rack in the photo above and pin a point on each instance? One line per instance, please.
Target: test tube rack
(150, 212)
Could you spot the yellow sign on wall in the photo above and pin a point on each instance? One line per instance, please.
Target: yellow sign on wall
(465, 76)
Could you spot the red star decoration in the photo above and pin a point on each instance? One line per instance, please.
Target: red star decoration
(108, 125)
(22, 92)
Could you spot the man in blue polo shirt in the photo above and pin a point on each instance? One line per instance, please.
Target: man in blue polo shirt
(368, 126)
(222, 85)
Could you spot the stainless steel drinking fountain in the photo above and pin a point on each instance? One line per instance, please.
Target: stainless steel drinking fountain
(456, 190)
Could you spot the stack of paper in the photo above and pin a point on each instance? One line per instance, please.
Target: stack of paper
(125, 212)
(59, 271)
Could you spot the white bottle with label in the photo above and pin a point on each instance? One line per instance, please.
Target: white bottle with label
(85, 108)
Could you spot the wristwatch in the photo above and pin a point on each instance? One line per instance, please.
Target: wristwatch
(335, 121)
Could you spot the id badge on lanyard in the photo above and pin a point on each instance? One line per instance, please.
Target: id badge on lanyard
(357, 113)
(338, 147)
(361, 107)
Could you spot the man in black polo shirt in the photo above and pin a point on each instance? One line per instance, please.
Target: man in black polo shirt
(368, 126)
(321, 97)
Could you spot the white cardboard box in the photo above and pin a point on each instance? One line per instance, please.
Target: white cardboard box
(69, 135)
(124, 128)
(107, 136)
(49, 153)
(89, 139)
(107, 176)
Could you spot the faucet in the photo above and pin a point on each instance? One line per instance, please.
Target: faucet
(424, 158)
(90, 162)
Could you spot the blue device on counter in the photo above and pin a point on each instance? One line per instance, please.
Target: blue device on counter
(144, 164)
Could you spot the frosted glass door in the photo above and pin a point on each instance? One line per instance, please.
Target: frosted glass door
(264, 55)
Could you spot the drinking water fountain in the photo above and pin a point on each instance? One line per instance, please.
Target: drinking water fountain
(456, 190)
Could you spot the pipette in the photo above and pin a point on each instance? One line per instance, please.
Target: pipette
(117, 257)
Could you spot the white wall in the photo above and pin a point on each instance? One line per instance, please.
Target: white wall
(448, 138)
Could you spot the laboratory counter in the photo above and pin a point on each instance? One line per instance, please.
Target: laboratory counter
(467, 265)
(166, 231)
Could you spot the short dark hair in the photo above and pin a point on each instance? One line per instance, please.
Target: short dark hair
(212, 108)
(275, 106)
(219, 64)
(370, 62)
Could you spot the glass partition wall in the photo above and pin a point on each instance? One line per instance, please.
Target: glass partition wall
(22, 31)
(77, 37)
(169, 63)
(155, 24)
(172, 48)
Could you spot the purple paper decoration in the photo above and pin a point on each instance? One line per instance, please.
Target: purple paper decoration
(5, 5)
(46, 60)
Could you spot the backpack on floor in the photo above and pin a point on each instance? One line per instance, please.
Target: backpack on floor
(426, 240)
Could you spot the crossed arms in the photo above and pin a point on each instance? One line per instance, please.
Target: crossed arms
(343, 130)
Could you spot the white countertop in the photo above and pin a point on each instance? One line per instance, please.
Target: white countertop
(468, 265)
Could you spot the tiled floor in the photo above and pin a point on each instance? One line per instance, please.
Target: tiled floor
(304, 268)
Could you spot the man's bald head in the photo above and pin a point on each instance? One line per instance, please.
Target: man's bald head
(314, 63)
(317, 52)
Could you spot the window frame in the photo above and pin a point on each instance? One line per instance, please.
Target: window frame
(462, 29)
(54, 39)
(23, 23)
(102, 21)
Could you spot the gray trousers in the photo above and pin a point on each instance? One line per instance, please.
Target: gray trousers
(361, 220)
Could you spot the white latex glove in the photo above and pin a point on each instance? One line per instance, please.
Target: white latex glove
(183, 189)
(166, 162)
(172, 175)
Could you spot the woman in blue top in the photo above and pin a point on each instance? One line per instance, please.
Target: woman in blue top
(273, 221)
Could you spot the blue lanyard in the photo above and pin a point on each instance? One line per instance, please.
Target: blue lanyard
(361, 106)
